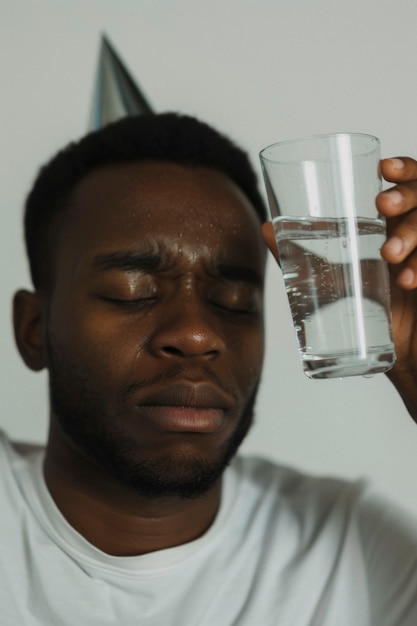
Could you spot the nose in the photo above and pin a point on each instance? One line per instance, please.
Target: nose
(187, 330)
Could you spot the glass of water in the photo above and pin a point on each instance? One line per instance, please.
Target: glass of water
(321, 193)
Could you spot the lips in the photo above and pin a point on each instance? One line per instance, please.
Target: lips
(186, 407)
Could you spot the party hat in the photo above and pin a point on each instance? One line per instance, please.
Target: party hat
(116, 94)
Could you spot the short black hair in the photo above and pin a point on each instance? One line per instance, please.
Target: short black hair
(168, 137)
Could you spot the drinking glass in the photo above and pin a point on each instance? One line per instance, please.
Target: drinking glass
(321, 194)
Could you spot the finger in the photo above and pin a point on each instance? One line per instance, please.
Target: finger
(406, 277)
(402, 238)
(398, 200)
(399, 169)
(268, 234)
(400, 250)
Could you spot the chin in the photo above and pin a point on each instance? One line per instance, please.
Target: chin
(186, 471)
(183, 472)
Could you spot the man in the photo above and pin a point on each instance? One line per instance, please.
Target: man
(147, 261)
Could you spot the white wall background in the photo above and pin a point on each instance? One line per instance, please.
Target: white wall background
(261, 70)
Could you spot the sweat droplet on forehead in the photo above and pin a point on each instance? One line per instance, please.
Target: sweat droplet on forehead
(162, 204)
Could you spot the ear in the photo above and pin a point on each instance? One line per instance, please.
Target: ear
(269, 238)
(28, 321)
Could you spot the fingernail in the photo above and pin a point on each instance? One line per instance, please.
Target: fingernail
(407, 276)
(394, 245)
(397, 164)
(395, 196)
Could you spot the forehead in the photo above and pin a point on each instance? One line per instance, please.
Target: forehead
(133, 205)
(149, 189)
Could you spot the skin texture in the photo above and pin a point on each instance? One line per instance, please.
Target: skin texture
(153, 337)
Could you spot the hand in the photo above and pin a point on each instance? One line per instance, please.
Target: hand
(399, 205)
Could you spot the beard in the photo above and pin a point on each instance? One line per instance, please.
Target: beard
(83, 419)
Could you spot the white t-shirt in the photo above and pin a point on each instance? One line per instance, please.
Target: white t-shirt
(284, 550)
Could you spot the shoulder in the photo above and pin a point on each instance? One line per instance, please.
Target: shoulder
(385, 527)
(291, 483)
(307, 500)
(348, 517)
(24, 448)
(302, 498)
(11, 449)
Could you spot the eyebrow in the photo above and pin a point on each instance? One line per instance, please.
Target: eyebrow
(127, 261)
(147, 261)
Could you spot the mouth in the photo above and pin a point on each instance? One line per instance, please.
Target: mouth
(185, 407)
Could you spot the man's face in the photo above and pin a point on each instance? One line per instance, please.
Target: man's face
(155, 324)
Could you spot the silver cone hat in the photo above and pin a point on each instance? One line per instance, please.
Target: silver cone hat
(116, 94)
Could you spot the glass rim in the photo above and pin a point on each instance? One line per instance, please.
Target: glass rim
(306, 138)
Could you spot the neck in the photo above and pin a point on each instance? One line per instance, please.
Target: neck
(115, 518)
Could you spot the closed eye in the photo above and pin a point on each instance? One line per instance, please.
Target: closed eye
(249, 310)
(130, 303)
(236, 300)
